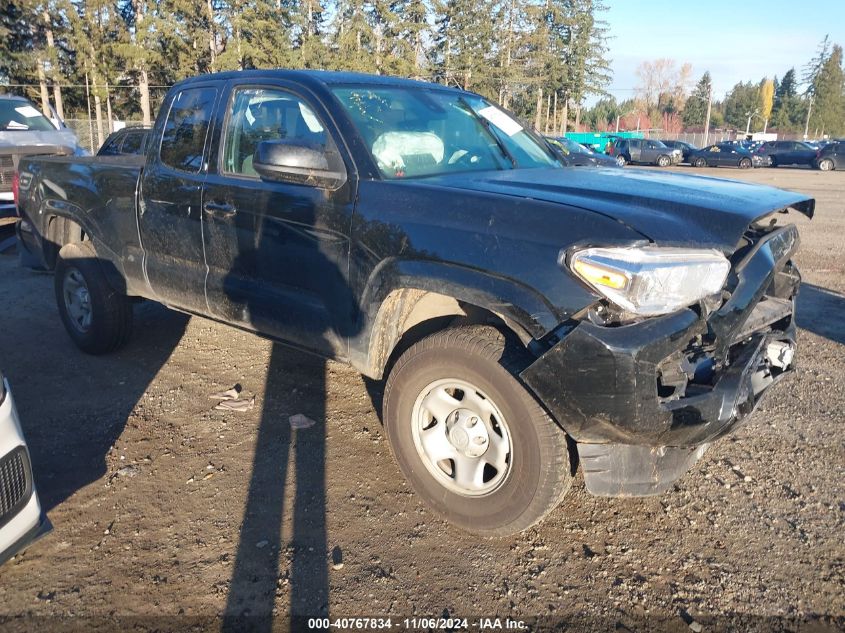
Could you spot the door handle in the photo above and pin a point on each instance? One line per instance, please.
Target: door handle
(219, 209)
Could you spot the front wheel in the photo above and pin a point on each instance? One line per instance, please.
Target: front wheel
(620, 160)
(472, 441)
(95, 315)
(699, 162)
(745, 163)
(826, 164)
(663, 161)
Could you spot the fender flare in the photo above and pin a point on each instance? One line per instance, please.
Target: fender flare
(397, 287)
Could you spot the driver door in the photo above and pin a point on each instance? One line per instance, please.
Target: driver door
(276, 252)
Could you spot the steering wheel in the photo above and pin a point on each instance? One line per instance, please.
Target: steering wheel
(465, 158)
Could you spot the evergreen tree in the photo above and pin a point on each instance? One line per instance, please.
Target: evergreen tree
(828, 90)
(407, 30)
(741, 102)
(353, 37)
(695, 108)
(786, 106)
(463, 55)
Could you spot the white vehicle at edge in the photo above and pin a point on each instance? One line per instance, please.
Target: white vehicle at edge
(21, 520)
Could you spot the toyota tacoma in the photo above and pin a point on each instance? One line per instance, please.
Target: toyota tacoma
(526, 317)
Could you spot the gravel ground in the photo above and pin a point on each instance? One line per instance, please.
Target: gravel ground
(163, 506)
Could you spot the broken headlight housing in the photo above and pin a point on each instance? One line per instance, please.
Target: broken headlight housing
(651, 280)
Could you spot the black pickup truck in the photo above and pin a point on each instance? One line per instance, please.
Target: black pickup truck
(516, 308)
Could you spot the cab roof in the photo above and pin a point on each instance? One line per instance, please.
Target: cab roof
(325, 77)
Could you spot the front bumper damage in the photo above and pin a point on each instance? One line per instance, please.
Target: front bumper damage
(643, 401)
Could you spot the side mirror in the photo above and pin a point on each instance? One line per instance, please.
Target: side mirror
(298, 163)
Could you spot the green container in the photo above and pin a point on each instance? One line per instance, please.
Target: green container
(598, 140)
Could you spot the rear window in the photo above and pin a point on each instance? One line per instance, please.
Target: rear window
(186, 128)
(132, 144)
(110, 147)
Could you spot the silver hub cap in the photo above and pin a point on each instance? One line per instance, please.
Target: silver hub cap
(77, 300)
(461, 437)
(825, 165)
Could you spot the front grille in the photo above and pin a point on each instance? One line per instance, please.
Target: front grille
(7, 171)
(15, 483)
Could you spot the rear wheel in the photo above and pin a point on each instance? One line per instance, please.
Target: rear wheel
(826, 164)
(774, 162)
(97, 317)
(474, 444)
(663, 161)
(745, 163)
(699, 162)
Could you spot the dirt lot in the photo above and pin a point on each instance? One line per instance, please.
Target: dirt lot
(163, 506)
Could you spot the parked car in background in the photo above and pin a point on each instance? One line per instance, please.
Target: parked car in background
(788, 153)
(727, 155)
(645, 152)
(830, 157)
(21, 519)
(686, 148)
(25, 131)
(578, 155)
(130, 141)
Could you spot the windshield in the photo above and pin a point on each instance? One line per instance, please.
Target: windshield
(571, 147)
(21, 115)
(414, 132)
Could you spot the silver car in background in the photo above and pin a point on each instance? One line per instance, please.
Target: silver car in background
(21, 519)
(25, 131)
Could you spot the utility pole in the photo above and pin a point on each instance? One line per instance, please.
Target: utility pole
(707, 118)
(807, 122)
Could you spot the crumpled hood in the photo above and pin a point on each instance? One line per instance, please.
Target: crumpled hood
(668, 208)
(27, 141)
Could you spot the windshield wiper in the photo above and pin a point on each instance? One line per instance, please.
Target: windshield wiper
(488, 128)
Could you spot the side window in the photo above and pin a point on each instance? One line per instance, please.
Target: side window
(110, 148)
(186, 128)
(267, 114)
(131, 144)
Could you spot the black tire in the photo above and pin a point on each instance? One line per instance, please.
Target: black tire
(539, 469)
(663, 161)
(774, 162)
(699, 162)
(620, 160)
(826, 164)
(110, 311)
(745, 163)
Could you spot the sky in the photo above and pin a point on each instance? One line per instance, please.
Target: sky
(736, 40)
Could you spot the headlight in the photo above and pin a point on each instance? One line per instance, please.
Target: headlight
(651, 280)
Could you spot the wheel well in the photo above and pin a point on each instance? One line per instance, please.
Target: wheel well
(60, 231)
(407, 316)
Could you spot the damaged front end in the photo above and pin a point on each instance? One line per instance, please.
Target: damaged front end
(643, 399)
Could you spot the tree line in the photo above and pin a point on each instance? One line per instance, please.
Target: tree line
(812, 103)
(540, 58)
